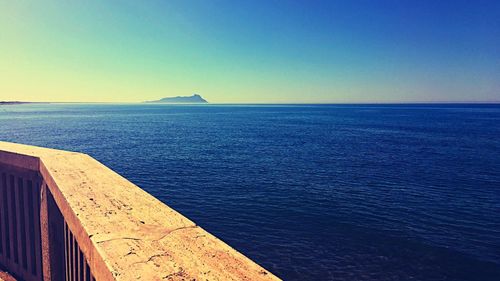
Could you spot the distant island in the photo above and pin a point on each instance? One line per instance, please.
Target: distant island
(180, 99)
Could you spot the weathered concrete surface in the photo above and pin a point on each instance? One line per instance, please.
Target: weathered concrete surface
(125, 233)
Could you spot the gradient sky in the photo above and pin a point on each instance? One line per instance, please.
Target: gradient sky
(250, 51)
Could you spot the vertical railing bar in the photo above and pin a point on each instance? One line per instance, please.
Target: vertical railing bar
(2, 221)
(19, 225)
(12, 221)
(15, 219)
(82, 266)
(38, 242)
(22, 223)
(66, 249)
(75, 259)
(70, 255)
(72, 267)
(7, 217)
(28, 224)
(31, 226)
(79, 270)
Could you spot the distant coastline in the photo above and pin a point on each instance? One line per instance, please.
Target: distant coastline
(13, 102)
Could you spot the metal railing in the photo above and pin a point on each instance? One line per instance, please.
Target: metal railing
(20, 246)
(20, 235)
(76, 266)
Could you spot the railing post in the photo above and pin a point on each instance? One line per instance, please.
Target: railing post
(52, 234)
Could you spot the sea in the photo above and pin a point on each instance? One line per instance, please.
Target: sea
(310, 192)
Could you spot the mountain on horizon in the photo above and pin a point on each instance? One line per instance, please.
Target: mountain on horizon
(195, 98)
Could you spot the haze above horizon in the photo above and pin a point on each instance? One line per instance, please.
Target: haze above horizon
(250, 52)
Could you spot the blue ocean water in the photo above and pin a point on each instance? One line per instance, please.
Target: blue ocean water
(311, 192)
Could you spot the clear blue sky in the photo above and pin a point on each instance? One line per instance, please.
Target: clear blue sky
(250, 51)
